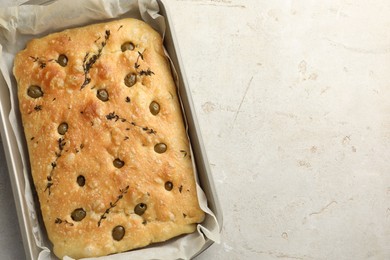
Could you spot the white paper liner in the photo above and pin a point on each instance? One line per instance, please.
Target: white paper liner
(20, 24)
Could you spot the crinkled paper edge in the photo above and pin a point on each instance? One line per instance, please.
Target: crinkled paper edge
(17, 26)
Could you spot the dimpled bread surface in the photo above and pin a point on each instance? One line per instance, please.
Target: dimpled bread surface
(109, 154)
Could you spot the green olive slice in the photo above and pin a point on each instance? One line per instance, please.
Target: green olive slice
(127, 46)
(168, 186)
(78, 214)
(130, 79)
(34, 91)
(154, 108)
(62, 128)
(160, 148)
(118, 163)
(118, 233)
(62, 60)
(140, 209)
(81, 180)
(102, 94)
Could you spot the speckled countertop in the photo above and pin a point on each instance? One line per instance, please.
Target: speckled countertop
(293, 99)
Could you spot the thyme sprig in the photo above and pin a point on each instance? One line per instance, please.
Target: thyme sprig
(147, 72)
(61, 144)
(113, 204)
(41, 62)
(140, 55)
(113, 116)
(90, 60)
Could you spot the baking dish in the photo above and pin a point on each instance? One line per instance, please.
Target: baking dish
(15, 163)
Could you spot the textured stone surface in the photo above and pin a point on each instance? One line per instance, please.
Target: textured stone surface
(293, 101)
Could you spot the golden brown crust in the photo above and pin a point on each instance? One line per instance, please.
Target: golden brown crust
(99, 132)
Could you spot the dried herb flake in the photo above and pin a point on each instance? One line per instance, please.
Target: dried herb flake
(146, 72)
(59, 221)
(184, 153)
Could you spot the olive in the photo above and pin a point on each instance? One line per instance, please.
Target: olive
(118, 233)
(81, 180)
(127, 46)
(118, 163)
(62, 128)
(78, 214)
(168, 186)
(140, 209)
(154, 108)
(34, 91)
(130, 79)
(62, 60)
(160, 148)
(102, 94)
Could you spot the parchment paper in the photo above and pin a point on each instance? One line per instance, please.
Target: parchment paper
(20, 24)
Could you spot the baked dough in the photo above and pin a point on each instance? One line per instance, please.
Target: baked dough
(108, 150)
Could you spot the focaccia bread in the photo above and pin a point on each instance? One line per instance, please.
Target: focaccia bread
(109, 154)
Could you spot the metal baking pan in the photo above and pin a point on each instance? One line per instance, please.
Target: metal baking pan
(14, 161)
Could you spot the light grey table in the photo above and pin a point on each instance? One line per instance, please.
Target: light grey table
(293, 102)
(11, 246)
